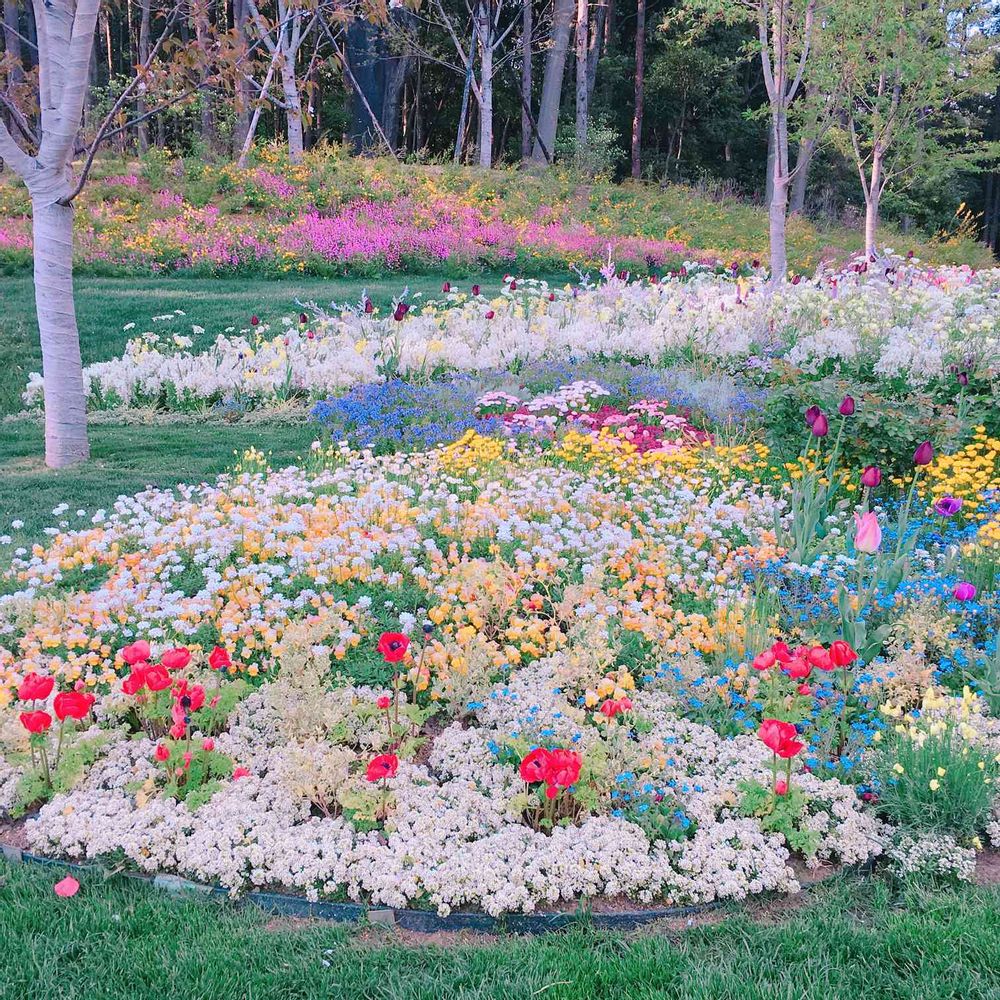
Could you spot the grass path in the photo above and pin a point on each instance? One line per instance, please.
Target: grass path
(851, 941)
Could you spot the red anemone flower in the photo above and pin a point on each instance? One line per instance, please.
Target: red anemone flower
(393, 646)
(157, 678)
(35, 687)
(219, 659)
(72, 705)
(385, 765)
(841, 654)
(535, 765)
(36, 722)
(177, 658)
(136, 653)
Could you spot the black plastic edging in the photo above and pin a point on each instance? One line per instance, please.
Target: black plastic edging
(421, 921)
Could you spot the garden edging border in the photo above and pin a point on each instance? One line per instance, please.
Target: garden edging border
(421, 921)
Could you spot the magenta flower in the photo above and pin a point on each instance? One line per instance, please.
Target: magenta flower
(812, 413)
(924, 454)
(948, 506)
(964, 592)
(847, 406)
(821, 426)
(871, 476)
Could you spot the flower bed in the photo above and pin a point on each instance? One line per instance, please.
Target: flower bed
(518, 671)
(902, 333)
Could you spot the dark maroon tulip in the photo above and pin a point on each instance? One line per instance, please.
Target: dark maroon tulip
(811, 414)
(303, 318)
(475, 289)
(254, 321)
(401, 310)
(513, 286)
(490, 314)
(446, 287)
(871, 476)
(847, 406)
(755, 264)
(796, 278)
(821, 426)
(369, 308)
(963, 378)
(924, 454)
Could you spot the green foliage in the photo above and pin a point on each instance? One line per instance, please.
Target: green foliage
(782, 814)
(936, 782)
(75, 759)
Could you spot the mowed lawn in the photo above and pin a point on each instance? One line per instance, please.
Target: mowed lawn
(849, 940)
(127, 458)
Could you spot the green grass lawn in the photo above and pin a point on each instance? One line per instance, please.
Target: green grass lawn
(852, 939)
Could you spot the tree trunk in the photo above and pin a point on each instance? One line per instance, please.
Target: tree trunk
(526, 32)
(293, 111)
(596, 45)
(143, 55)
(244, 94)
(62, 369)
(555, 65)
(485, 86)
(769, 169)
(872, 198)
(582, 40)
(803, 160)
(12, 42)
(640, 72)
(776, 230)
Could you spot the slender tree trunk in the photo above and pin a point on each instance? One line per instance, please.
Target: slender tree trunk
(293, 111)
(485, 86)
(803, 160)
(143, 55)
(640, 74)
(12, 42)
(526, 33)
(62, 369)
(244, 95)
(769, 169)
(595, 45)
(778, 205)
(555, 65)
(872, 199)
(582, 93)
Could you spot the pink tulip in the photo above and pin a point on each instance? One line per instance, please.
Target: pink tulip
(867, 534)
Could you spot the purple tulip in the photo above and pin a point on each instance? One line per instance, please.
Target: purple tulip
(871, 476)
(964, 592)
(924, 454)
(812, 413)
(821, 426)
(963, 378)
(948, 506)
(847, 406)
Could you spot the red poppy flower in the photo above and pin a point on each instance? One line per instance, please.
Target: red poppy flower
(34, 687)
(535, 765)
(136, 653)
(819, 657)
(393, 646)
(841, 653)
(157, 678)
(384, 702)
(218, 659)
(72, 705)
(36, 722)
(385, 765)
(563, 768)
(798, 669)
(177, 658)
(136, 680)
(764, 661)
(781, 652)
(773, 733)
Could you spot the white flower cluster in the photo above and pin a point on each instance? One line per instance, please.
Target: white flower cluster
(911, 323)
(931, 855)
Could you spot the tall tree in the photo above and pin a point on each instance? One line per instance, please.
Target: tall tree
(905, 68)
(582, 90)
(552, 79)
(527, 32)
(640, 85)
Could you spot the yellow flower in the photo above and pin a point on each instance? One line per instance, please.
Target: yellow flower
(941, 772)
(898, 768)
(935, 784)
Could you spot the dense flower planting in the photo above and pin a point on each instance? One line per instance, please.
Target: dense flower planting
(900, 331)
(587, 649)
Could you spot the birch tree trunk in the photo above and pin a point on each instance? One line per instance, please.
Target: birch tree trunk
(485, 86)
(555, 66)
(797, 204)
(582, 93)
(65, 399)
(526, 32)
(293, 109)
(873, 196)
(143, 54)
